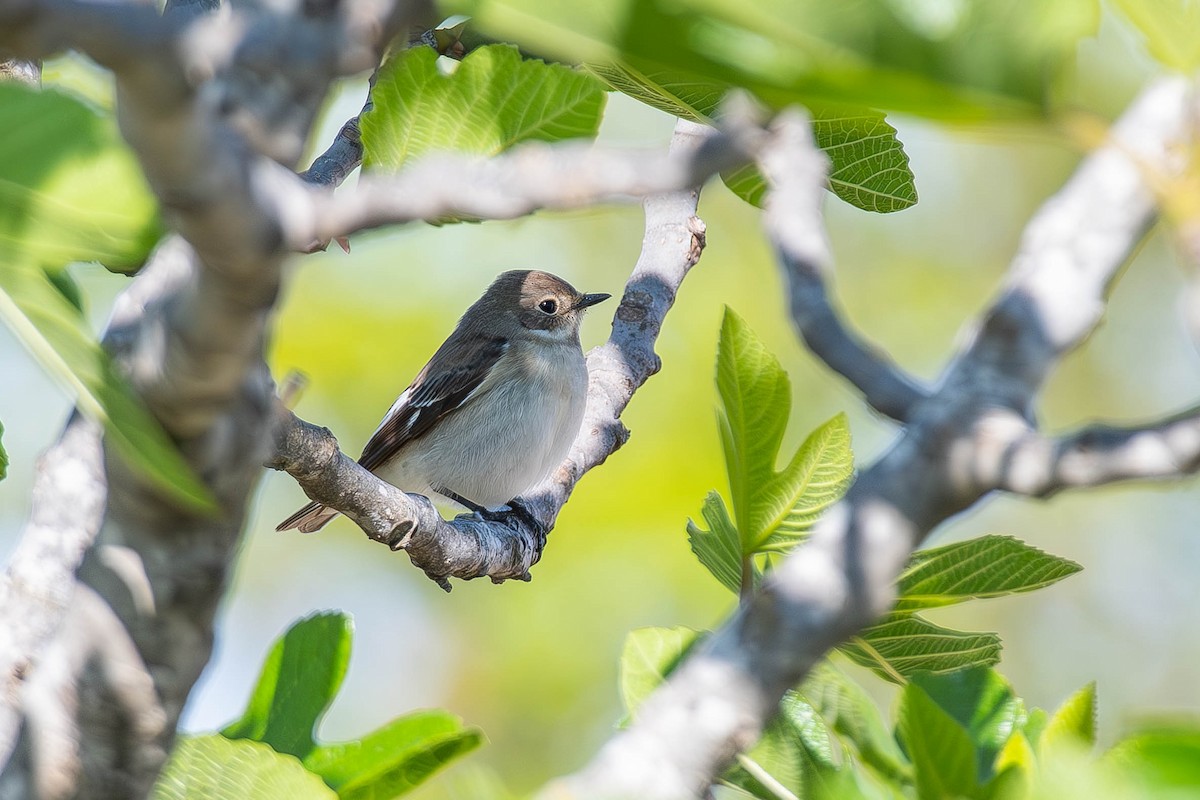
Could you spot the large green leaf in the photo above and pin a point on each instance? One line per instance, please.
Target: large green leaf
(989, 566)
(901, 645)
(53, 331)
(298, 681)
(983, 703)
(1165, 758)
(491, 101)
(755, 404)
(941, 751)
(870, 168)
(395, 758)
(648, 656)
(3, 457)
(1169, 28)
(964, 60)
(718, 548)
(853, 715)
(795, 753)
(215, 768)
(70, 190)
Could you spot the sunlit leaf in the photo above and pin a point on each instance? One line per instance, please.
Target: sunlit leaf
(717, 548)
(492, 100)
(1165, 758)
(298, 681)
(755, 403)
(902, 644)
(941, 752)
(70, 190)
(1169, 28)
(216, 768)
(394, 759)
(648, 656)
(1073, 724)
(53, 331)
(989, 566)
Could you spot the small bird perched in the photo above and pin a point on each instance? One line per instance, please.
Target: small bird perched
(497, 407)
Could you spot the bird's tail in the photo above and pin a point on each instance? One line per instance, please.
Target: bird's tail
(309, 519)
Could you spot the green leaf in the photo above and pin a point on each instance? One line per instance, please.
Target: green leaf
(1166, 758)
(1073, 724)
(964, 61)
(648, 656)
(989, 566)
(53, 331)
(982, 702)
(3, 457)
(1015, 768)
(853, 715)
(755, 404)
(1169, 29)
(869, 166)
(941, 752)
(215, 768)
(70, 190)
(795, 752)
(298, 681)
(493, 100)
(900, 645)
(676, 93)
(395, 758)
(718, 548)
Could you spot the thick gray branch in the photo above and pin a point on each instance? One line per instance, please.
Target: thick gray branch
(794, 226)
(508, 544)
(717, 702)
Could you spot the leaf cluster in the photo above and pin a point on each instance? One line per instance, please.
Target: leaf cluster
(270, 751)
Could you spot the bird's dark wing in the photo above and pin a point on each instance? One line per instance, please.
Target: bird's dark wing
(434, 393)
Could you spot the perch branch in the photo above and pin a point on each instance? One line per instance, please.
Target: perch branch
(508, 546)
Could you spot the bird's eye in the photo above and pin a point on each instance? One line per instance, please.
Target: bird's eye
(549, 305)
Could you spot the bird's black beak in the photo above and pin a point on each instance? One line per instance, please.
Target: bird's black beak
(591, 300)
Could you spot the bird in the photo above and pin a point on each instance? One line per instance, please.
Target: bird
(495, 409)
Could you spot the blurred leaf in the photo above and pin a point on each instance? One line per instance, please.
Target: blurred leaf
(648, 656)
(676, 93)
(941, 752)
(1169, 28)
(1074, 723)
(1163, 758)
(215, 768)
(394, 759)
(869, 166)
(493, 100)
(982, 702)
(65, 285)
(70, 190)
(963, 60)
(1036, 725)
(853, 715)
(755, 404)
(717, 548)
(901, 645)
(989, 566)
(3, 457)
(1015, 767)
(298, 681)
(53, 331)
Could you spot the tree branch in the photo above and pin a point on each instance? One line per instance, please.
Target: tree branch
(717, 702)
(507, 545)
(792, 218)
